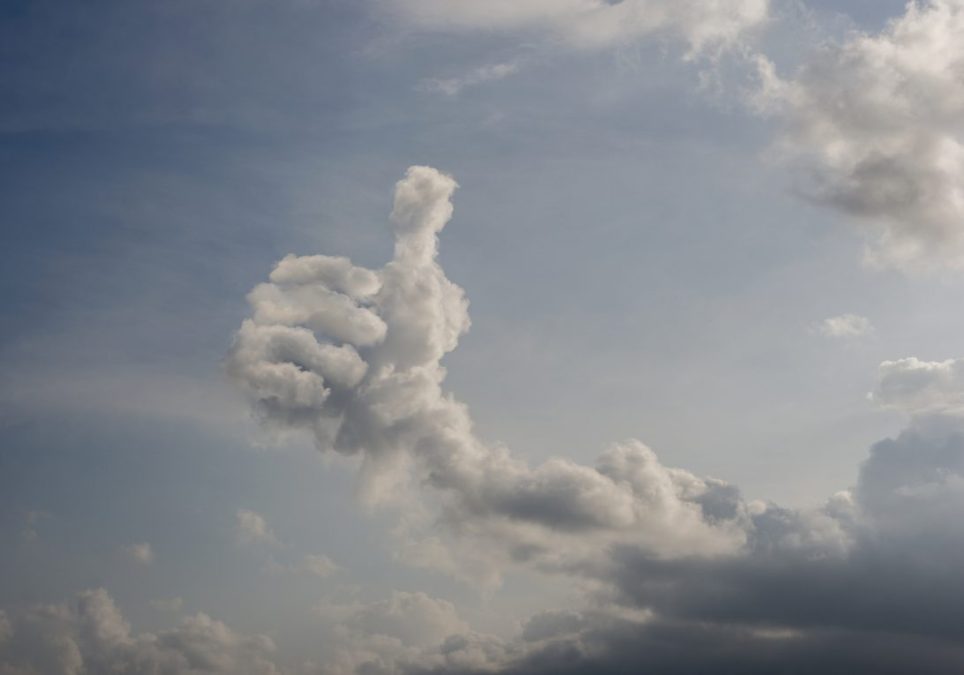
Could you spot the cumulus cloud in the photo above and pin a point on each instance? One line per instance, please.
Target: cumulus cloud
(252, 528)
(920, 387)
(876, 125)
(845, 326)
(394, 414)
(406, 632)
(867, 583)
(672, 558)
(140, 553)
(592, 23)
(90, 635)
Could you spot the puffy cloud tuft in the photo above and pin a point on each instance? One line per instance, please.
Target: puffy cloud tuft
(920, 387)
(141, 553)
(252, 528)
(845, 326)
(877, 127)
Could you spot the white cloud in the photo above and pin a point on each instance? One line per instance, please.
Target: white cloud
(394, 413)
(703, 24)
(141, 553)
(920, 387)
(877, 126)
(846, 326)
(252, 528)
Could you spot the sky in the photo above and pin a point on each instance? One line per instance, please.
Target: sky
(446, 336)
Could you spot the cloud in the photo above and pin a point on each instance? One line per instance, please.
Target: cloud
(140, 553)
(919, 387)
(671, 558)
(319, 565)
(590, 24)
(876, 126)
(846, 326)
(252, 528)
(405, 632)
(90, 635)
(452, 86)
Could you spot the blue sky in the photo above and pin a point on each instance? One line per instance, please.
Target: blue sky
(651, 237)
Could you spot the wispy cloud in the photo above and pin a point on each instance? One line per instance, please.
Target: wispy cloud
(845, 326)
(252, 528)
(141, 553)
(452, 86)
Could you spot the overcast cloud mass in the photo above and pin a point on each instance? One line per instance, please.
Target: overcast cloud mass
(707, 415)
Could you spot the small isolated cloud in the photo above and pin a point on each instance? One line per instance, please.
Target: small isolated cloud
(167, 604)
(252, 528)
(140, 553)
(319, 565)
(876, 126)
(845, 326)
(31, 520)
(451, 86)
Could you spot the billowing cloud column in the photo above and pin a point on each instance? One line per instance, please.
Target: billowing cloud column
(354, 356)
